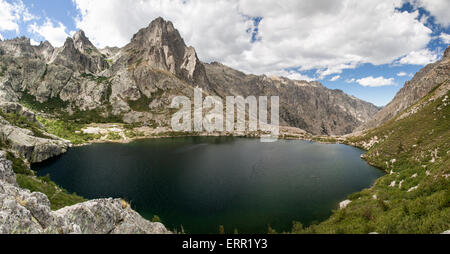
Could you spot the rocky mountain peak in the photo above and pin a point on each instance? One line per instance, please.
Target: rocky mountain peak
(160, 46)
(78, 53)
(79, 35)
(45, 49)
(158, 33)
(82, 43)
(447, 53)
(45, 44)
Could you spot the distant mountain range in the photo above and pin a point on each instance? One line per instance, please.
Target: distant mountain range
(136, 83)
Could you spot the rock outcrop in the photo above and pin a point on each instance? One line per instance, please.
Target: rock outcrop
(161, 47)
(23, 212)
(24, 142)
(78, 54)
(15, 108)
(344, 204)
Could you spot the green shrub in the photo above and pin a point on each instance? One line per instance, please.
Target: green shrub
(23, 122)
(67, 130)
(58, 197)
(141, 105)
(156, 219)
(114, 136)
(19, 166)
(52, 105)
(3, 71)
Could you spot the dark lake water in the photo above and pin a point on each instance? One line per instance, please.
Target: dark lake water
(203, 182)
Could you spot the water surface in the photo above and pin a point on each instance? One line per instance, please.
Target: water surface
(200, 183)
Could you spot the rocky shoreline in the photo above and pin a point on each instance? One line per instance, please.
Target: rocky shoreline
(163, 132)
(23, 212)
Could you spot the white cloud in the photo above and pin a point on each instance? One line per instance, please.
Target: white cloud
(438, 8)
(336, 69)
(402, 74)
(291, 74)
(216, 29)
(1, 37)
(350, 81)
(445, 38)
(327, 35)
(376, 82)
(34, 43)
(335, 78)
(55, 34)
(421, 57)
(11, 14)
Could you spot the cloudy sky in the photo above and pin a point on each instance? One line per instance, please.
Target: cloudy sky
(367, 48)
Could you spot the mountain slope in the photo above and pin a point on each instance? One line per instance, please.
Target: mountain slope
(135, 84)
(305, 105)
(413, 148)
(423, 82)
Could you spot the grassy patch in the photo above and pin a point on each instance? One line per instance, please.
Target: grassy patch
(114, 136)
(106, 96)
(45, 73)
(133, 134)
(53, 105)
(67, 130)
(91, 116)
(19, 166)
(23, 122)
(98, 79)
(58, 197)
(3, 71)
(156, 219)
(141, 105)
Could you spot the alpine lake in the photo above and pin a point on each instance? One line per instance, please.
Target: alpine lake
(197, 184)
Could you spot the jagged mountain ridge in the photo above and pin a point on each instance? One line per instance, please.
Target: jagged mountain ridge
(137, 82)
(305, 105)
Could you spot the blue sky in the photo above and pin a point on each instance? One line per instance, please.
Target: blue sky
(244, 45)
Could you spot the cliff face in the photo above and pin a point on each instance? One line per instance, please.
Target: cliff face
(136, 83)
(23, 212)
(427, 79)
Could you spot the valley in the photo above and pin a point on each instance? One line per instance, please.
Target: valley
(53, 100)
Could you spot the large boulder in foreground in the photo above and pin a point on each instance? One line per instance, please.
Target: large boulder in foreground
(23, 212)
